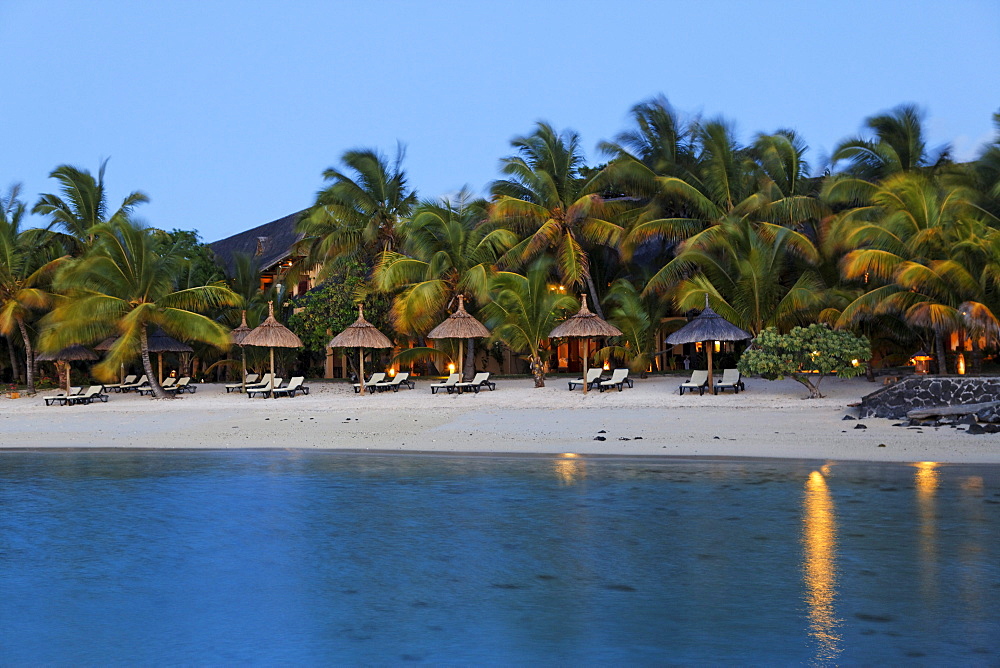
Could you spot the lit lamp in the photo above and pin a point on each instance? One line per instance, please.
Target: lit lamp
(607, 366)
(451, 367)
(961, 364)
(921, 362)
(718, 346)
(392, 372)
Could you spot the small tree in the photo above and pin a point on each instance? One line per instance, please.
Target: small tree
(806, 354)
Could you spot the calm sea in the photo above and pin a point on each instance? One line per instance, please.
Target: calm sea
(269, 558)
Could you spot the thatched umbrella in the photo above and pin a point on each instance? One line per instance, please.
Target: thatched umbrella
(584, 325)
(158, 342)
(708, 326)
(237, 336)
(361, 334)
(74, 353)
(272, 334)
(459, 325)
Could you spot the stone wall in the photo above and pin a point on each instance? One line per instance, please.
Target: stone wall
(895, 400)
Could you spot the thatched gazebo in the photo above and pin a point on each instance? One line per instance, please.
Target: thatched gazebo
(74, 353)
(236, 336)
(158, 342)
(460, 325)
(584, 325)
(271, 334)
(361, 334)
(708, 326)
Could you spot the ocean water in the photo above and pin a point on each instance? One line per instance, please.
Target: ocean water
(277, 558)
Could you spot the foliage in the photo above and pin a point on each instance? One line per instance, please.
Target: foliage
(199, 265)
(806, 354)
(327, 310)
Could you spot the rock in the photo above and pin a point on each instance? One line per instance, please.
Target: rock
(991, 428)
(899, 424)
(881, 445)
(848, 417)
(975, 429)
(637, 438)
(860, 426)
(600, 438)
(602, 432)
(715, 438)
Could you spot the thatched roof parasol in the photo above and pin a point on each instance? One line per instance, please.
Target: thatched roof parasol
(584, 324)
(708, 326)
(271, 334)
(360, 334)
(74, 353)
(159, 342)
(459, 325)
(239, 333)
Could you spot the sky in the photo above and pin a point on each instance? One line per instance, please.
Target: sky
(227, 113)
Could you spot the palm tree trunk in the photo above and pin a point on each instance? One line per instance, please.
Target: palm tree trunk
(537, 370)
(147, 365)
(939, 349)
(470, 359)
(977, 356)
(593, 297)
(29, 357)
(15, 369)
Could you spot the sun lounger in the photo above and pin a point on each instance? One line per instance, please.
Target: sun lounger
(401, 379)
(446, 385)
(264, 380)
(61, 398)
(618, 379)
(481, 380)
(374, 380)
(252, 379)
(183, 385)
(698, 381)
(731, 380)
(117, 387)
(593, 377)
(265, 390)
(93, 392)
(142, 382)
(294, 385)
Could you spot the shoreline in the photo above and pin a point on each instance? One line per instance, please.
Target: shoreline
(768, 421)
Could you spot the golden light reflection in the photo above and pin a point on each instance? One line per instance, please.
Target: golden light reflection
(927, 479)
(819, 538)
(570, 469)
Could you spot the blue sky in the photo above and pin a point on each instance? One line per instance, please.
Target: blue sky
(226, 113)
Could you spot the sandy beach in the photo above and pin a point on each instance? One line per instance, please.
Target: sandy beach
(770, 419)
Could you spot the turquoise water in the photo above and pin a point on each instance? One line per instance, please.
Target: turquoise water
(329, 558)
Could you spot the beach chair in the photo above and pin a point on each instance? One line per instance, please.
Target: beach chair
(446, 385)
(168, 382)
(731, 380)
(185, 385)
(402, 379)
(142, 382)
(93, 392)
(481, 380)
(618, 379)
(593, 377)
(252, 379)
(376, 378)
(698, 381)
(117, 387)
(264, 390)
(261, 382)
(294, 385)
(62, 397)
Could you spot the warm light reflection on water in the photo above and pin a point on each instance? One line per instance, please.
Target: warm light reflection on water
(819, 538)
(570, 469)
(927, 478)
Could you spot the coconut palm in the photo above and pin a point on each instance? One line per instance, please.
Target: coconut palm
(27, 260)
(125, 287)
(83, 206)
(449, 250)
(545, 199)
(639, 318)
(524, 309)
(660, 140)
(898, 145)
(359, 213)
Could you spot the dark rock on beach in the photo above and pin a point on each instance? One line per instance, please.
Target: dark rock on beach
(860, 426)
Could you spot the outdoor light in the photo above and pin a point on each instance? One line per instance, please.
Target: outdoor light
(855, 363)
(921, 362)
(392, 372)
(718, 346)
(451, 367)
(607, 366)
(961, 364)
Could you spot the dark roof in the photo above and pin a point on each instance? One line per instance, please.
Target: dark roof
(269, 243)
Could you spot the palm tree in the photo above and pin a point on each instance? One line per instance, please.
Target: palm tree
(524, 309)
(124, 286)
(359, 213)
(660, 141)
(545, 198)
(83, 206)
(638, 316)
(899, 145)
(26, 260)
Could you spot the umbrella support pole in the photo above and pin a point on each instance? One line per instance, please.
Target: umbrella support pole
(586, 350)
(361, 371)
(244, 381)
(711, 383)
(272, 370)
(159, 357)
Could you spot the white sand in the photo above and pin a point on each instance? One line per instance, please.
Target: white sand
(770, 419)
